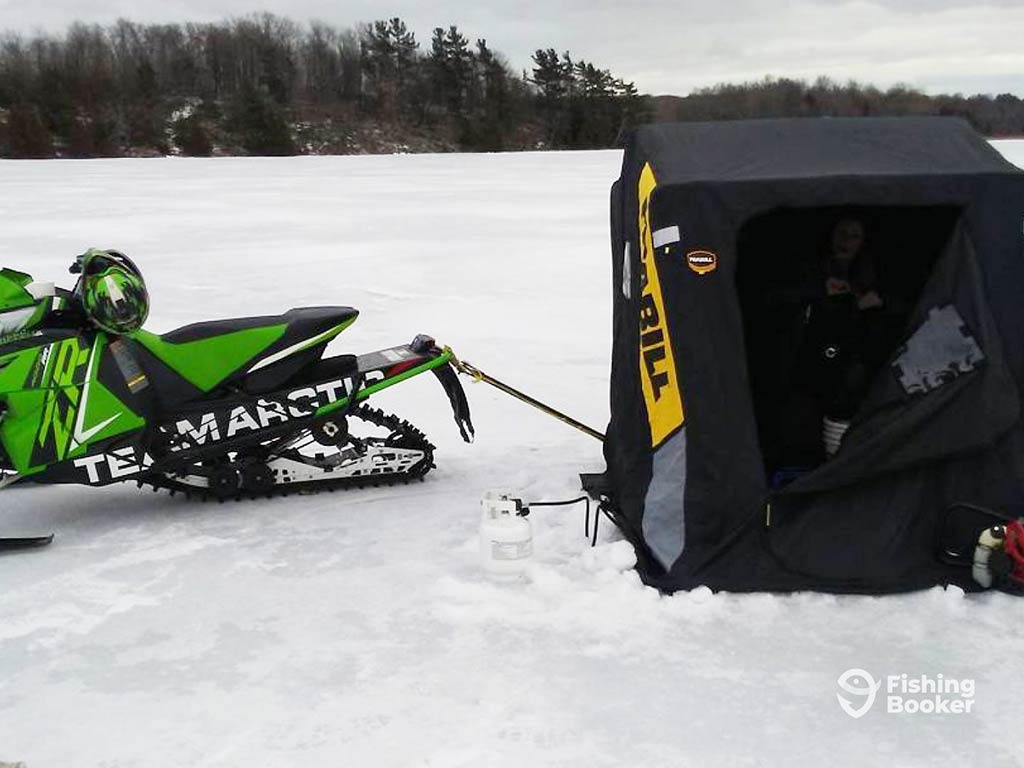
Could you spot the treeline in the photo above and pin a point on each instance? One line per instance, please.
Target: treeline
(1001, 115)
(266, 85)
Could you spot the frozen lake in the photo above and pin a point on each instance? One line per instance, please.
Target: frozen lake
(357, 629)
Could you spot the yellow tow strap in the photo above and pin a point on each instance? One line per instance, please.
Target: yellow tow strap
(476, 374)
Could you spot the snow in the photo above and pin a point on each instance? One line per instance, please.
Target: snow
(358, 628)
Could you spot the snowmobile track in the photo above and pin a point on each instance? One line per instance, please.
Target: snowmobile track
(402, 435)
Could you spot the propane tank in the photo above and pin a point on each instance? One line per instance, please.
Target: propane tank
(990, 542)
(506, 538)
(832, 432)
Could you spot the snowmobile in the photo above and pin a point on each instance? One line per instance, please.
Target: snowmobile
(224, 409)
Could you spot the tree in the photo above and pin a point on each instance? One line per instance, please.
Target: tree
(581, 105)
(451, 67)
(192, 137)
(260, 124)
(321, 64)
(389, 58)
(26, 134)
(553, 78)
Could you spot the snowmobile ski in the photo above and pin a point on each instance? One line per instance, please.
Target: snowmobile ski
(17, 543)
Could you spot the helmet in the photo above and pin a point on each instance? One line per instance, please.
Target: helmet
(112, 291)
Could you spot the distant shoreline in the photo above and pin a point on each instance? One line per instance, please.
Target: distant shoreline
(265, 85)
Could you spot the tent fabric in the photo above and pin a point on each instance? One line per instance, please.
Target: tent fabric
(687, 478)
(800, 148)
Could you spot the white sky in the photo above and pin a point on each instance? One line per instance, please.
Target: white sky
(666, 46)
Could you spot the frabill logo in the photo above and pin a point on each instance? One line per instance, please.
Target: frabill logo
(860, 683)
(702, 262)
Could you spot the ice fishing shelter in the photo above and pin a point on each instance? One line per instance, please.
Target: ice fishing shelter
(710, 224)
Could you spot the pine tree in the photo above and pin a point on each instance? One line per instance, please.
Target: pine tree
(451, 63)
(192, 137)
(260, 124)
(389, 57)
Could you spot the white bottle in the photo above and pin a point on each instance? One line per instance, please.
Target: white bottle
(991, 539)
(506, 537)
(832, 432)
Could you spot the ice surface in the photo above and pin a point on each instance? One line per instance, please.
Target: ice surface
(357, 629)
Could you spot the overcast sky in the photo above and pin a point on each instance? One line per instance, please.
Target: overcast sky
(665, 46)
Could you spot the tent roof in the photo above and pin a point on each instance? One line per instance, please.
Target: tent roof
(801, 148)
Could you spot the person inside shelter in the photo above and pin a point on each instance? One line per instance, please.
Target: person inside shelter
(845, 338)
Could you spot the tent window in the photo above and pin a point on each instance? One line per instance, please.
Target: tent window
(940, 350)
(826, 294)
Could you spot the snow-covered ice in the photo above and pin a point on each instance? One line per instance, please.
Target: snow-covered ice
(357, 629)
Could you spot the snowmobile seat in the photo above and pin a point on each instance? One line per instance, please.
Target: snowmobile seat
(261, 352)
(302, 322)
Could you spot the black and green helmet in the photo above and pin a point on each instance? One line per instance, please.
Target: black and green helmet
(112, 291)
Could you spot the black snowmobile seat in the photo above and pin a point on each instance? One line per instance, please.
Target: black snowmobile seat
(265, 351)
(302, 323)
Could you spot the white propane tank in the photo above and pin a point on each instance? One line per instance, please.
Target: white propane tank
(506, 537)
(832, 432)
(990, 540)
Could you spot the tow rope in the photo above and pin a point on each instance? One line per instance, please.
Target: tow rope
(476, 374)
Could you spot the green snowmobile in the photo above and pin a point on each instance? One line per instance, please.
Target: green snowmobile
(222, 409)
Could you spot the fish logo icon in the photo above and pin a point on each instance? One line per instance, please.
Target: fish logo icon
(857, 682)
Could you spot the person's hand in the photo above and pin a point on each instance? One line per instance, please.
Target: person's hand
(869, 300)
(834, 286)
